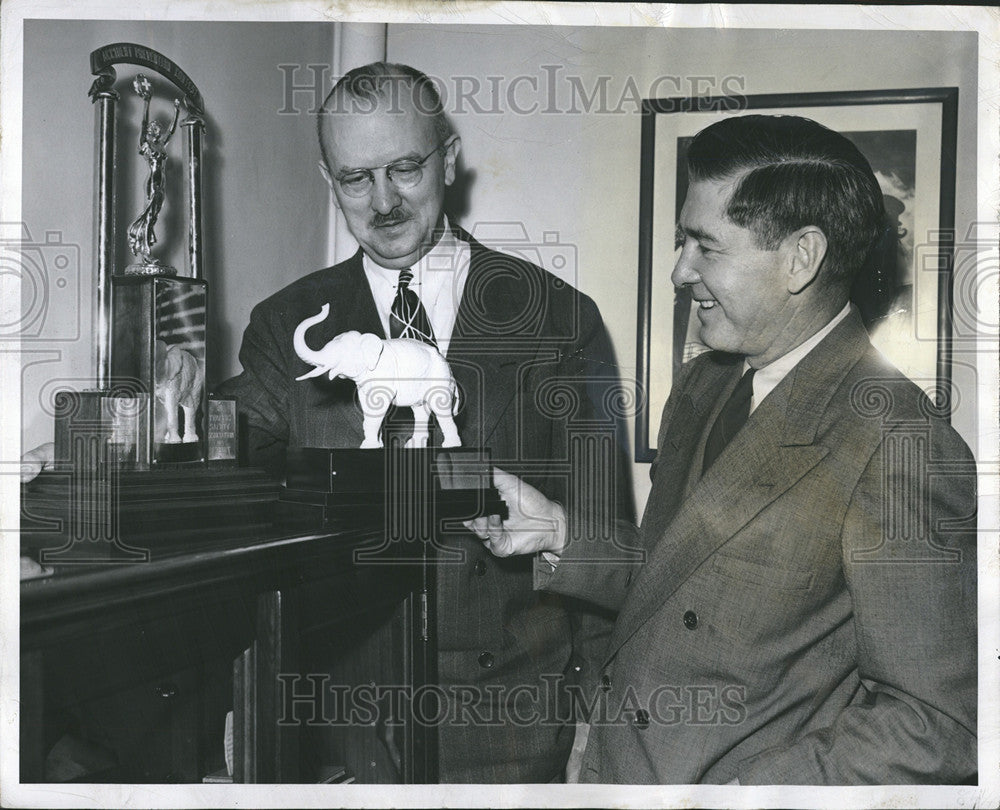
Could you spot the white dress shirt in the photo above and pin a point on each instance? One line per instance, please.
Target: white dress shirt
(438, 280)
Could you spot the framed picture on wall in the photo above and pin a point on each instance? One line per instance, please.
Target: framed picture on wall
(904, 294)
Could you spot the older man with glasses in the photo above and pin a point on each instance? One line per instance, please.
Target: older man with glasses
(510, 331)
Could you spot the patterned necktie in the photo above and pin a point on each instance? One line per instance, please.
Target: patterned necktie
(731, 418)
(407, 318)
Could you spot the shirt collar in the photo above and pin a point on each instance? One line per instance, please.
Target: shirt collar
(766, 379)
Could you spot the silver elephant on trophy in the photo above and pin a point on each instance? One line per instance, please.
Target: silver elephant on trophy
(400, 371)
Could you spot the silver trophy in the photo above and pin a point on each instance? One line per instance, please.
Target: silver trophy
(153, 147)
(150, 406)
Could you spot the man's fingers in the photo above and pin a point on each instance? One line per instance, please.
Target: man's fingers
(485, 528)
(494, 526)
(29, 470)
(478, 526)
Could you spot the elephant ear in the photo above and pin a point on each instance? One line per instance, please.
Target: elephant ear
(169, 360)
(174, 361)
(371, 349)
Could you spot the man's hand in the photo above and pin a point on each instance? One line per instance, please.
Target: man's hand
(34, 461)
(535, 522)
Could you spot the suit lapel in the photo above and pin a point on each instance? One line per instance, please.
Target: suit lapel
(351, 302)
(681, 430)
(483, 362)
(765, 459)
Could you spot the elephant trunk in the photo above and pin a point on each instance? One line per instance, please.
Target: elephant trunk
(314, 358)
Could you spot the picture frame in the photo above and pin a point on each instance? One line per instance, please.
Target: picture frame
(908, 135)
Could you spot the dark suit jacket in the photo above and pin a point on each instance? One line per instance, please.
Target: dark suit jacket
(807, 609)
(533, 363)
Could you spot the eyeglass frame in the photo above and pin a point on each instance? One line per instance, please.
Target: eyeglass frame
(370, 171)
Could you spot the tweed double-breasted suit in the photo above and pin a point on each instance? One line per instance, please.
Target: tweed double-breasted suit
(806, 609)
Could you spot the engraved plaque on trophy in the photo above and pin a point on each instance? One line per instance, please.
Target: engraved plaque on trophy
(223, 429)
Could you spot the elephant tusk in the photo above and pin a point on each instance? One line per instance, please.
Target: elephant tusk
(316, 372)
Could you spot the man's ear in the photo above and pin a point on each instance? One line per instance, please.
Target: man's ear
(808, 246)
(451, 158)
(329, 181)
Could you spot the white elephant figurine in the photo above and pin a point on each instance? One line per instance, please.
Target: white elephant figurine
(410, 373)
(178, 379)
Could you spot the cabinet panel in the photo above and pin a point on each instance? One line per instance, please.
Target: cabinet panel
(127, 672)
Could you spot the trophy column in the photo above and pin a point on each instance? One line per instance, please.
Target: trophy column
(106, 99)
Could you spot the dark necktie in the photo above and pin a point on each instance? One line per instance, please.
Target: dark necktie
(731, 418)
(408, 318)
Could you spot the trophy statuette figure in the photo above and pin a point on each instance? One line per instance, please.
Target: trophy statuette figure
(153, 147)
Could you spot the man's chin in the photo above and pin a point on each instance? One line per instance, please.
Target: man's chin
(716, 342)
(395, 253)
(398, 251)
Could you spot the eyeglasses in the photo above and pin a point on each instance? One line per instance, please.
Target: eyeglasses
(401, 173)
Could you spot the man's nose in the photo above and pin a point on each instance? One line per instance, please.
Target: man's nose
(385, 196)
(684, 273)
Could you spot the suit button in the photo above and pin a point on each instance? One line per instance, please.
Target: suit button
(486, 659)
(606, 683)
(690, 620)
(641, 719)
(480, 568)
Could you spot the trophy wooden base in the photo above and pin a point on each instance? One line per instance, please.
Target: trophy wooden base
(108, 514)
(94, 428)
(416, 493)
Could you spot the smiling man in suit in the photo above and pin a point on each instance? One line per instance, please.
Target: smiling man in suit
(521, 345)
(806, 611)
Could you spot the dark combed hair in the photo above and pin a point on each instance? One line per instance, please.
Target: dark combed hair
(792, 172)
(384, 81)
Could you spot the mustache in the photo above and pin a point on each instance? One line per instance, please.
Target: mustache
(394, 217)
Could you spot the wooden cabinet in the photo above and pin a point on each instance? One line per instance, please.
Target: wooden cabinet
(127, 670)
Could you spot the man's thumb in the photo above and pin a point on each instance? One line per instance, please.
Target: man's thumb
(505, 483)
(36, 460)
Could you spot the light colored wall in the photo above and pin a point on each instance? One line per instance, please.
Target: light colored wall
(578, 174)
(266, 205)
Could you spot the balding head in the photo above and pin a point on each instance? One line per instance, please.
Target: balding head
(381, 85)
(388, 154)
